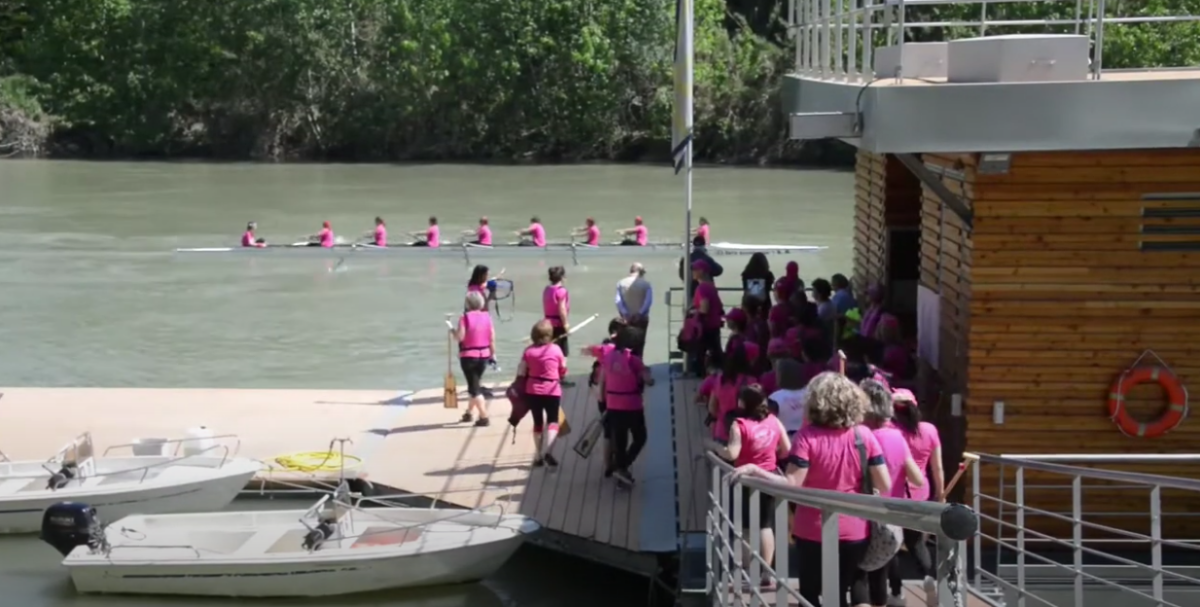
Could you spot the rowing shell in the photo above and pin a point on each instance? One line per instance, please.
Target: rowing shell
(467, 249)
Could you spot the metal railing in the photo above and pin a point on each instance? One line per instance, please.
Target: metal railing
(836, 39)
(732, 581)
(1017, 560)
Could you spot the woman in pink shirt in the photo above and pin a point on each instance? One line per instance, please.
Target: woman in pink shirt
(482, 235)
(706, 303)
(535, 232)
(598, 352)
(379, 237)
(556, 307)
(828, 453)
(324, 238)
(701, 231)
(431, 237)
(542, 367)
(476, 338)
(250, 240)
(636, 236)
(926, 447)
(590, 232)
(902, 469)
(757, 442)
(623, 379)
(735, 374)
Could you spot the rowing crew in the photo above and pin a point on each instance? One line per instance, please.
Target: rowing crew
(533, 236)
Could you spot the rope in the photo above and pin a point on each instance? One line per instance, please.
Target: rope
(318, 461)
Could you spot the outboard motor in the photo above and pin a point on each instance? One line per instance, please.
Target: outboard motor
(60, 479)
(314, 538)
(68, 525)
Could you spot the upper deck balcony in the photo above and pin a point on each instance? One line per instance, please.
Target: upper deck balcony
(902, 76)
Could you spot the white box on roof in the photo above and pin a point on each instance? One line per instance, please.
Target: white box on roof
(1018, 58)
(921, 60)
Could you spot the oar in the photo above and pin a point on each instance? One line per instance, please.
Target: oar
(575, 328)
(962, 469)
(450, 385)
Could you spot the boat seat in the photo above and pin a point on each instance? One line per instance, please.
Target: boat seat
(387, 535)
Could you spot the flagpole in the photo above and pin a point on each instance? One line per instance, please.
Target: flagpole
(681, 131)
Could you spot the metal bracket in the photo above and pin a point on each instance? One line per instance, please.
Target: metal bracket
(934, 182)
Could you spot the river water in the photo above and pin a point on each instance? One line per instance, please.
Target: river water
(91, 293)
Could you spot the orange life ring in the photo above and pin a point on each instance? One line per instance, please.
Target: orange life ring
(1177, 402)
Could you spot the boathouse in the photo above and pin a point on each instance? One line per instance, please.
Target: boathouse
(1035, 218)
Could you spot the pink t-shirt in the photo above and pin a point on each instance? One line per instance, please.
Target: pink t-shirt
(922, 445)
(895, 453)
(707, 386)
(326, 236)
(834, 465)
(480, 289)
(433, 236)
(708, 291)
(553, 295)
(593, 236)
(760, 442)
(484, 235)
(623, 380)
(477, 337)
(380, 236)
(545, 367)
(537, 234)
(639, 235)
(248, 239)
(702, 232)
(727, 401)
(599, 351)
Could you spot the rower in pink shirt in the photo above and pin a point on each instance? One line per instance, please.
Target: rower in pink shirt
(324, 238)
(249, 239)
(702, 230)
(590, 231)
(638, 232)
(431, 237)
(482, 234)
(380, 236)
(535, 232)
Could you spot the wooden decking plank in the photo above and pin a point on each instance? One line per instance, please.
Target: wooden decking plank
(914, 596)
(570, 477)
(583, 470)
(590, 494)
(693, 470)
(653, 519)
(604, 511)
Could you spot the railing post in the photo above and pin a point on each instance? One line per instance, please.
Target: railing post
(1020, 503)
(868, 39)
(723, 554)
(782, 566)
(755, 544)
(976, 503)
(1100, 10)
(839, 66)
(1077, 535)
(830, 575)
(949, 584)
(1156, 556)
(735, 532)
(851, 39)
(711, 526)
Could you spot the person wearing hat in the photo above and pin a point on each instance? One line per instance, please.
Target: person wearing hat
(637, 236)
(706, 304)
(700, 253)
(250, 240)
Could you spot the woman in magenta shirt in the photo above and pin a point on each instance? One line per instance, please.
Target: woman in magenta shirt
(902, 469)
(482, 235)
(542, 367)
(476, 346)
(825, 455)
(734, 376)
(702, 231)
(324, 238)
(926, 447)
(431, 237)
(706, 303)
(590, 232)
(623, 379)
(535, 232)
(636, 236)
(556, 306)
(758, 442)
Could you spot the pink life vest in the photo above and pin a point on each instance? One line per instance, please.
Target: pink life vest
(551, 295)
(623, 381)
(477, 336)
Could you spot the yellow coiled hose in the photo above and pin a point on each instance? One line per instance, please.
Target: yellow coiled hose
(318, 461)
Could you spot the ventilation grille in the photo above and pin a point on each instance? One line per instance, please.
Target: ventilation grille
(1170, 222)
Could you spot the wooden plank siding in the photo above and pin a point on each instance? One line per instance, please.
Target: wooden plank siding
(870, 232)
(1061, 301)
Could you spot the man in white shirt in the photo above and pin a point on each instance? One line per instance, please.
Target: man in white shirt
(634, 298)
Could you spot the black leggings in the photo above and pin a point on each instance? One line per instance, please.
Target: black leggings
(623, 425)
(710, 340)
(473, 369)
(851, 579)
(544, 409)
(914, 541)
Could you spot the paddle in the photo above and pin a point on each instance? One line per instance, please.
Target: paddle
(573, 329)
(450, 385)
(962, 469)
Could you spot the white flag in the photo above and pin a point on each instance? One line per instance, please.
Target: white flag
(681, 113)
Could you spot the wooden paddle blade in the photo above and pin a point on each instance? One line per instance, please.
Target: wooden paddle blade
(591, 436)
(564, 428)
(450, 392)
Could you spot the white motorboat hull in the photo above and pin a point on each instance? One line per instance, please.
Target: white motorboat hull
(260, 553)
(200, 490)
(297, 579)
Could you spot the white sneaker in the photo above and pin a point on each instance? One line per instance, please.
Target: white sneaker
(931, 588)
(896, 600)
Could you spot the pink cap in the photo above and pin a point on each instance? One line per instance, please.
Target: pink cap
(778, 315)
(752, 351)
(778, 346)
(736, 314)
(903, 395)
(700, 264)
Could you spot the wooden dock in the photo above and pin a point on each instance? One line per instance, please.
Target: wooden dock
(694, 474)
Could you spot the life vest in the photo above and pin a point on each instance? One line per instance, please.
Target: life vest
(853, 320)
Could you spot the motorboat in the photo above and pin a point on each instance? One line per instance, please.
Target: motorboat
(336, 547)
(185, 480)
